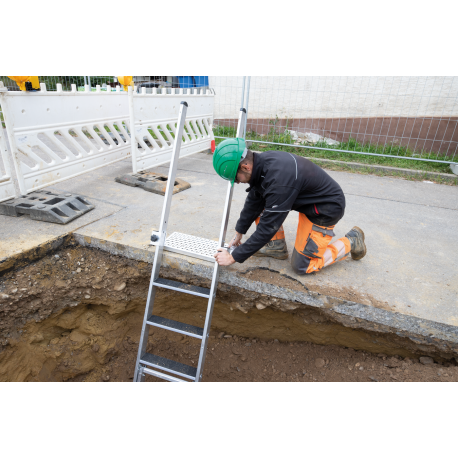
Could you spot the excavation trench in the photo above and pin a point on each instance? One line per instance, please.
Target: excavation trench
(68, 314)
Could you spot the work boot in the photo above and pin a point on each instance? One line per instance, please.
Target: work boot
(358, 247)
(274, 249)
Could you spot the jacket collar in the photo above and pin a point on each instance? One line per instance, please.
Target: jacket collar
(256, 178)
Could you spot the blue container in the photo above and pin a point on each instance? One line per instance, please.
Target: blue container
(193, 81)
(201, 81)
(186, 81)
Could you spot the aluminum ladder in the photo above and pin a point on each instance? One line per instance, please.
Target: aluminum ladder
(155, 365)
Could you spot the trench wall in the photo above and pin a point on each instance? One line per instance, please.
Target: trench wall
(69, 312)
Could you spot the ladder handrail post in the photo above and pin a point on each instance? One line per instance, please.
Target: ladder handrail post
(216, 270)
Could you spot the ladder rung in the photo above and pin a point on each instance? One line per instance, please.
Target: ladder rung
(176, 326)
(182, 287)
(161, 375)
(168, 365)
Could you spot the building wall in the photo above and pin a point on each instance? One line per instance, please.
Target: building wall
(340, 96)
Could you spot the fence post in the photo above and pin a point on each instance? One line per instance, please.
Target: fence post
(133, 142)
(14, 166)
(246, 108)
(243, 93)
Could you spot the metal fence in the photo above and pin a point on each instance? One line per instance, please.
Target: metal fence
(411, 117)
(404, 117)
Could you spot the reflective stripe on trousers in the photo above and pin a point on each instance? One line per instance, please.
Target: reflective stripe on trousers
(313, 250)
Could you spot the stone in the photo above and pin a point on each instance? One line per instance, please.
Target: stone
(120, 286)
(373, 379)
(220, 335)
(227, 336)
(95, 348)
(4, 296)
(319, 362)
(54, 341)
(105, 378)
(392, 363)
(260, 306)
(14, 290)
(87, 296)
(275, 340)
(426, 360)
(78, 270)
(243, 358)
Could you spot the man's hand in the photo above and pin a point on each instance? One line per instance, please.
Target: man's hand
(223, 257)
(237, 240)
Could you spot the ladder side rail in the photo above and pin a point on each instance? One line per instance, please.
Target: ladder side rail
(163, 232)
(216, 270)
(170, 185)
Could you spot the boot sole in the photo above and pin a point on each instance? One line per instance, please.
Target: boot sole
(360, 256)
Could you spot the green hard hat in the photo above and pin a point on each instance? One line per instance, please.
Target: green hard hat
(227, 156)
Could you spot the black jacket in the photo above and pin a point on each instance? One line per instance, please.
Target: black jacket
(281, 182)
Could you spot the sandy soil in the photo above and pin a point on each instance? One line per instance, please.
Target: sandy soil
(234, 359)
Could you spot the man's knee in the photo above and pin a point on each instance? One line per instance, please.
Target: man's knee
(300, 263)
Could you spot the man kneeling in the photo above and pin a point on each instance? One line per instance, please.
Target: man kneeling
(279, 183)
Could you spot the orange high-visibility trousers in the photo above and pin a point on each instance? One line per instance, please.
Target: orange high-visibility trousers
(313, 249)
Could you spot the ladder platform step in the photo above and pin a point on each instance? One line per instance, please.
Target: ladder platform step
(182, 287)
(176, 326)
(169, 366)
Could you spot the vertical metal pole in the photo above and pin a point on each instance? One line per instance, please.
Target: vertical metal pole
(247, 100)
(216, 269)
(85, 81)
(243, 92)
(133, 140)
(162, 234)
(89, 83)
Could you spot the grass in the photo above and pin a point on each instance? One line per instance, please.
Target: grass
(352, 145)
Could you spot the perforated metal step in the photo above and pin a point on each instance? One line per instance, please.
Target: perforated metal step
(176, 326)
(182, 287)
(168, 365)
(190, 245)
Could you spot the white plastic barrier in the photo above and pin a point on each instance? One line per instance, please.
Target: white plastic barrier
(6, 181)
(155, 117)
(55, 136)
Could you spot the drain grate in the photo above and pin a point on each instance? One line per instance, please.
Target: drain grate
(190, 245)
(47, 206)
(152, 182)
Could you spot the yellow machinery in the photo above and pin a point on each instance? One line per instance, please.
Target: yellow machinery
(21, 80)
(126, 81)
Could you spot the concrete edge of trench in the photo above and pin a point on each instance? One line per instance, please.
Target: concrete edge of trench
(415, 334)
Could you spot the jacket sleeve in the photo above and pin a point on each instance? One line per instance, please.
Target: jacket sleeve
(254, 205)
(278, 203)
(269, 224)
